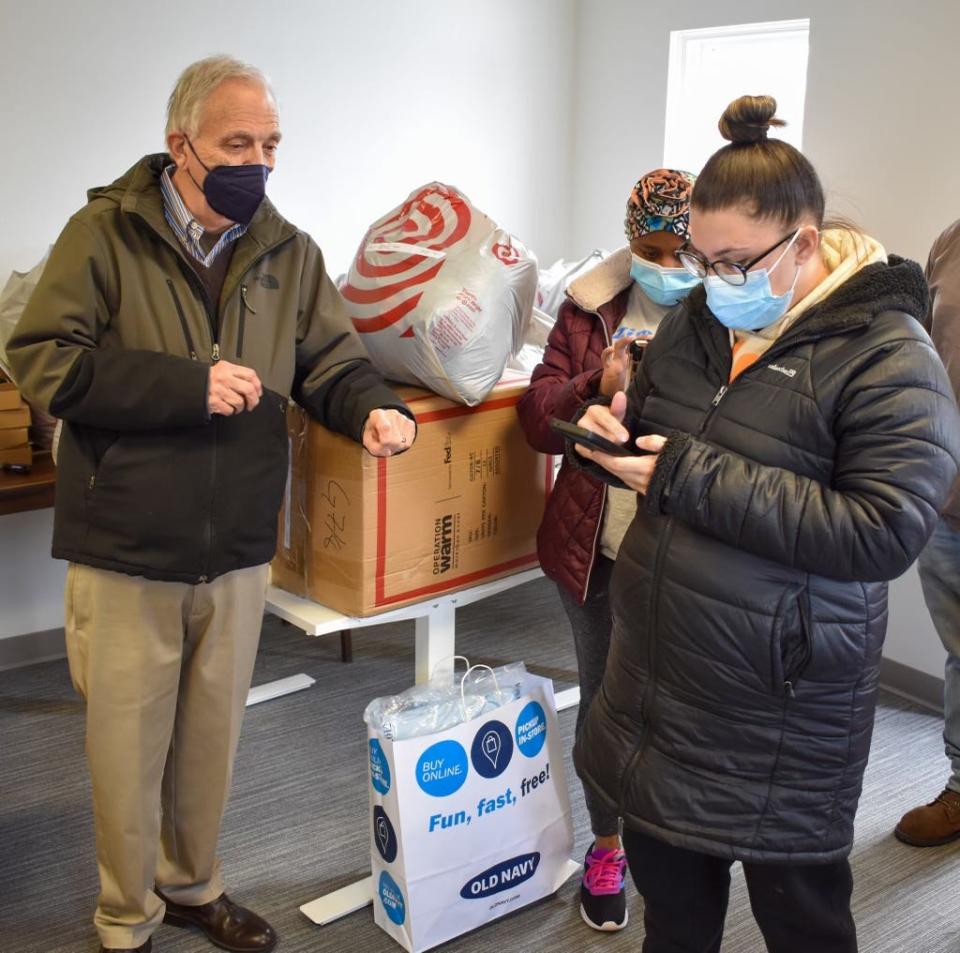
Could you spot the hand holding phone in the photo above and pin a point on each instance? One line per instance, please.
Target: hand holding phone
(594, 441)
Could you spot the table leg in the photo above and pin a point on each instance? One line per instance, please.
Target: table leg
(435, 641)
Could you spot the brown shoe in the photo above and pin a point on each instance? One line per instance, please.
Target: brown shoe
(146, 948)
(225, 923)
(936, 823)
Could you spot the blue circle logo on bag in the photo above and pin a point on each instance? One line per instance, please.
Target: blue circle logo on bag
(379, 768)
(492, 749)
(442, 768)
(392, 898)
(384, 835)
(531, 729)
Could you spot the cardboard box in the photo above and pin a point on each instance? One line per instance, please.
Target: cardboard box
(15, 418)
(364, 534)
(16, 457)
(15, 437)
(10, 398)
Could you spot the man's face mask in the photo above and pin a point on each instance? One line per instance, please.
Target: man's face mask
(235, 191)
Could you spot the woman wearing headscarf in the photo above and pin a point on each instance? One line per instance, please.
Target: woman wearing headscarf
(621, 300)
(812, 437)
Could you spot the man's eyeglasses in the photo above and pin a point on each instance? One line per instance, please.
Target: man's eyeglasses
(733, 273)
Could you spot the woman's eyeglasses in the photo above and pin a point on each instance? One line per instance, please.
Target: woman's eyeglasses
(731, 272)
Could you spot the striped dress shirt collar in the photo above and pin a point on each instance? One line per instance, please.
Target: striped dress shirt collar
(187, 229)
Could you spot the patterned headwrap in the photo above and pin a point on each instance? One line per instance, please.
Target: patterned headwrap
(660, 202)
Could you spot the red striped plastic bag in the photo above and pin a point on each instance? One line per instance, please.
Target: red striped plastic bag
(440, 295)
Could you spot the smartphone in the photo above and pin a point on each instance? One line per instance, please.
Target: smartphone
(590, 439)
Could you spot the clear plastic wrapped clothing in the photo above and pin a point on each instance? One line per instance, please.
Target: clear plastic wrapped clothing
(443, 703)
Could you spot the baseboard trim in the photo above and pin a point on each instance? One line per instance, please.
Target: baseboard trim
(911, 683)
(19, 650)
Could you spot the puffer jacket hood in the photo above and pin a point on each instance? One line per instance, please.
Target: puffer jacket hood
(750, 595)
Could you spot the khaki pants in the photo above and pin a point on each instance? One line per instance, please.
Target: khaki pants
(165, 668)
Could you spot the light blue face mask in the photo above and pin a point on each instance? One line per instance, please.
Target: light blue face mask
(665, 286)
(752, 305)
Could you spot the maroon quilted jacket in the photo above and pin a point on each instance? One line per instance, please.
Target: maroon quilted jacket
(568, 539)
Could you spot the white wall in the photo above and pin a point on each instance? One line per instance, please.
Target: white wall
(880, 111)
(376, 98)
(880, 128)
(31, 583)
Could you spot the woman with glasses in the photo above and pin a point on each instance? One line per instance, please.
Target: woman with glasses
(801, 436)
(620, 301)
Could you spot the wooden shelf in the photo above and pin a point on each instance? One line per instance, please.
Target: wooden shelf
(20, 492)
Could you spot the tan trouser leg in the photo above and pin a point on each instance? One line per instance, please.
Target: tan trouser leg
(223, 631)
(135, 647)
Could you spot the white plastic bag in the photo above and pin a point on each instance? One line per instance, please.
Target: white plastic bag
(13, 299)
(553, 282)
(440, 295)
(445, 701)
(534, 343)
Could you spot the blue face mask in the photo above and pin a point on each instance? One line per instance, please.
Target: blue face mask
(752, 305)
(665, 286)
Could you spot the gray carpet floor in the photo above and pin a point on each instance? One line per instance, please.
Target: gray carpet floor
(296, 826)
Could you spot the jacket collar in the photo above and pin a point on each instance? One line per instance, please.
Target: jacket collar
(605, 289)
(603, 282)
(895, 285)
(137, 192)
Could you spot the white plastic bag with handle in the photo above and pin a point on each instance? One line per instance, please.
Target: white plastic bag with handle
(13, 299)
(470, 823)
(440, 295)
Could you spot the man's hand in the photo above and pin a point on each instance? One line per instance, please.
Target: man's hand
(387, 432)
(636, 472)
(232, 389)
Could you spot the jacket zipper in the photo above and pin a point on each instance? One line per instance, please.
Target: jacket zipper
(791, 678)
(183, 321)
(646, 703)
(191, 278)
(244, 308)
(603, 503)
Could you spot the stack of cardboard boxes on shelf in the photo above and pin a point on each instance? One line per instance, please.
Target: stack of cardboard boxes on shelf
(15, 448)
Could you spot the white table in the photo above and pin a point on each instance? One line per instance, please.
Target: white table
(434, 621)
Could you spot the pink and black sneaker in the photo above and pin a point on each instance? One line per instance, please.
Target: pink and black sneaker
(603, 899)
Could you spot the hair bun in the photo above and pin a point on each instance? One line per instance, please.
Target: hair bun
(748, 119)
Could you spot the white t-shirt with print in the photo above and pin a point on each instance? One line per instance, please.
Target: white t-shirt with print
(640, 321)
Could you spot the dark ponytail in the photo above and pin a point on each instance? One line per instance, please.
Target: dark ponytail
(768, 178)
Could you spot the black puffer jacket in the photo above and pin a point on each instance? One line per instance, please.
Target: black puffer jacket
(749, 597)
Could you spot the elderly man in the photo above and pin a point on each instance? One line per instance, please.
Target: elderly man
(176, 315)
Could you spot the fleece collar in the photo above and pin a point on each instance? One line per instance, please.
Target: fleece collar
(602, 283)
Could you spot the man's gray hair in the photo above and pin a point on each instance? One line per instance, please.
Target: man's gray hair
(198, 81)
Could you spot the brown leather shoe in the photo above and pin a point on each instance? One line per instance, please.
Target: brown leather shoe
(146, 948)
(936, 823)
(226, 924)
